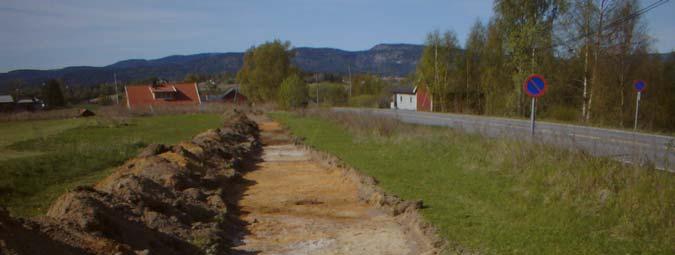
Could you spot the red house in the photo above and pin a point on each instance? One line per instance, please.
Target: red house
(162, 95)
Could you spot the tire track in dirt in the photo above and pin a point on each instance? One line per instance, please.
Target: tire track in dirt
(297, 205)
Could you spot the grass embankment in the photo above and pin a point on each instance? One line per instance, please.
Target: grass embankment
(504, 196)
(49, 157)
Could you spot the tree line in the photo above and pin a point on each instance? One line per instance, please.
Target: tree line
(589, 51)
(267, 75)
(55, 93)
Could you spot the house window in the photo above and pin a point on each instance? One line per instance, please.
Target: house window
(163, 95)
(410, 99)
(400, 98)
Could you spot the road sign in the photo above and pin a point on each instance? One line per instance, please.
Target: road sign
(535, 85)
(639, 85)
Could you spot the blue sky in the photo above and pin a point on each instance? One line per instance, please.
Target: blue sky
(43, 34)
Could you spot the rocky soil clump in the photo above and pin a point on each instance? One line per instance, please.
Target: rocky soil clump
(167, 200)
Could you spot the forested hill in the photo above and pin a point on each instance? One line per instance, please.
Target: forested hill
(383, 59)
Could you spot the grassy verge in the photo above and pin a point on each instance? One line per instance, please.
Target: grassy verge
(68, 153)
(501, 196)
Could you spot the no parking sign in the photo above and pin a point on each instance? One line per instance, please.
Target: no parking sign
(639, 85)
(534, 86)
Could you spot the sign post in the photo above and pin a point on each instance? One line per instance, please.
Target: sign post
(535, 86)
(639, 86)
(533, 112)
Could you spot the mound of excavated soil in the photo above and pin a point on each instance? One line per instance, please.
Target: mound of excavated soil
(168, 200)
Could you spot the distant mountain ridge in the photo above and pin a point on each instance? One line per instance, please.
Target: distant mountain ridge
(382, 59)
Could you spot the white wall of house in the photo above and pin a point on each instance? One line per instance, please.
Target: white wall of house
(405, 102)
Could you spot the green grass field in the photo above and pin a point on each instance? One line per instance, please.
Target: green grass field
(43, 159)
(12, 132)
(500, 196)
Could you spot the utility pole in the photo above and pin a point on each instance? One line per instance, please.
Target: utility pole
(349, 69)
(316, 81)
(117, 97)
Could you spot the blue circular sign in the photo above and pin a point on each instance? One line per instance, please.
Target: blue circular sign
(535, 85)
(639, 85)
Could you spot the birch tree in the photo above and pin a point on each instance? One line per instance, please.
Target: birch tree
(474, 49)
(527, 28)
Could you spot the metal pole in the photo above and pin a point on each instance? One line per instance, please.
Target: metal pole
(637, 110)
(532, 115)
(117, 98)
(349, 68)
(316, 82)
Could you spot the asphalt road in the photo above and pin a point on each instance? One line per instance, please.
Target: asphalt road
(625, 146)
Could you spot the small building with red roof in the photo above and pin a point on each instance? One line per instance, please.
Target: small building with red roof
(143, 96)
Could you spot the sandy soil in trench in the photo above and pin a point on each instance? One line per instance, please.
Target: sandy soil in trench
(293, 205)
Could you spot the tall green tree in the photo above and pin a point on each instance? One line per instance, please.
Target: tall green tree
(527, 27)
(662, 91)
(629, 50)
(588, 20)
(474, 51)
(292, 92)
(52, 94)
(495, 77)
(264, 68)
(438, 69)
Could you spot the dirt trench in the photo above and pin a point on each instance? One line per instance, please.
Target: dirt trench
(221, 193)
(295, 203)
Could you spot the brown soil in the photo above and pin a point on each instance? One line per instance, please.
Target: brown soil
(297, 204)
(167, 200)
(216, 194)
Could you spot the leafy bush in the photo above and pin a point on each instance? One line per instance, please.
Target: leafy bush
(292, 93)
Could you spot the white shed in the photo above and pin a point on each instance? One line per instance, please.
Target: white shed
(404, 98)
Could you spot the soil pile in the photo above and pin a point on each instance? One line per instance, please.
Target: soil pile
(168, 200)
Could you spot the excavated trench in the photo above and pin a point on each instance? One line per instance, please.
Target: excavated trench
(223, 192)
(299, 204)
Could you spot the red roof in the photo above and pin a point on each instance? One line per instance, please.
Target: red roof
(144, 95)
